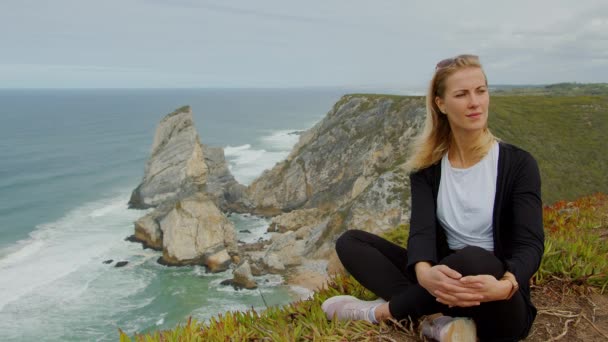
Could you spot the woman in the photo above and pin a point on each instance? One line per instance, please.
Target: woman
(476, 235)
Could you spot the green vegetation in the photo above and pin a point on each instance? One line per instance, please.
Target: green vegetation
(561, 125)
(575, 251)
(564, 126)
(559, 89)
(575, 244)
(299, 321)
(566, 135)
(182, 109)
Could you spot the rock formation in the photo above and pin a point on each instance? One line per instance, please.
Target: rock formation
(294, 220)
(226, 192)
(147, 228)
(346, 172)
(176, 166)
(186, 182)
(195, 231)
(348, 166)
(243, 277)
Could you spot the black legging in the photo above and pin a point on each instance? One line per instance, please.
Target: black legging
(379, 265)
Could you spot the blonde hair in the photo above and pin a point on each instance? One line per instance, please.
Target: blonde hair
(436, 137)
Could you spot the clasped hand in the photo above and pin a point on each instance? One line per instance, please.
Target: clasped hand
(452, 289)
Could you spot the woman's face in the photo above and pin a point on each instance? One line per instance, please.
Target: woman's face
(465, 101)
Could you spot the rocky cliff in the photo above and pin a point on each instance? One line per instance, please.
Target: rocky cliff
(348, 163)
(360, 139)
(226, 192)
(344, 173)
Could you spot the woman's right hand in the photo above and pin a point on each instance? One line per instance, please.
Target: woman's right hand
(444, 284)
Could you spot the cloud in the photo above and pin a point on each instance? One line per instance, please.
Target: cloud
(338, 42)
(236, 10)
(572, 45)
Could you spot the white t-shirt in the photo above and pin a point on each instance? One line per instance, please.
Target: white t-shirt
(465, 203)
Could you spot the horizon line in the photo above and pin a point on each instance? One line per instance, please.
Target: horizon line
(288, 87)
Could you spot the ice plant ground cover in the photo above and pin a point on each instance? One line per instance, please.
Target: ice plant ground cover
(569, 291)
(575, 245)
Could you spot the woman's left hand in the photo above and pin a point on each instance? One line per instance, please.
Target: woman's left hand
(489, 287)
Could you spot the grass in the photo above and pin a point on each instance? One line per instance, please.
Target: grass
(576, 249)
(575, 253)
(566, 135)
(564, 127)
(558, 89)
(299, 321)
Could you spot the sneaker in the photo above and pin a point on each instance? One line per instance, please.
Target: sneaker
(450, 329)
(349, 308)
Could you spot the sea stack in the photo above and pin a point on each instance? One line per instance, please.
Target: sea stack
(176, 167)
(186, 182)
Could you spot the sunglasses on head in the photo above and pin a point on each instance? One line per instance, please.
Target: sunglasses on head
(444, 63)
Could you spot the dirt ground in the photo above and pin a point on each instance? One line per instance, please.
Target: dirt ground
(569, 313)
(566, 312)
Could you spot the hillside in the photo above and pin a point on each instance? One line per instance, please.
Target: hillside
(562, 125)
(558, 89)
(347, 172)
(566, 134)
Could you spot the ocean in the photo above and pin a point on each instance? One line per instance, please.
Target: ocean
(69, 160)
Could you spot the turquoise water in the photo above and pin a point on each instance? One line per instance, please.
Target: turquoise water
(68, 162)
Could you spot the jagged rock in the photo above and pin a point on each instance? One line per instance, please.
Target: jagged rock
(243, 277)
(303, 233)
(186, 182)
(176, 166)
(218, 261)
(227, 282)
(121, 264)
(147, 228)
(287, 249)
(349, 167)
(257, 269)
(292, 248)
(109, 261)
(283, 251)
(196, 232)
(227, 193)
(335, 161)
(294, 220)
(272, 263)
(255, 246)
(383, 205)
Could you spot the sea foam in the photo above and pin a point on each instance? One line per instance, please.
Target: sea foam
(56, 249)
(246, 162)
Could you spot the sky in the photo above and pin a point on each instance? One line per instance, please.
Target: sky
(282, 43)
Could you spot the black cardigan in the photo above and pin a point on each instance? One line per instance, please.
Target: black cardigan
(517, 220)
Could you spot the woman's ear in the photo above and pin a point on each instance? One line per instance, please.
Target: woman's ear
(439, 103)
